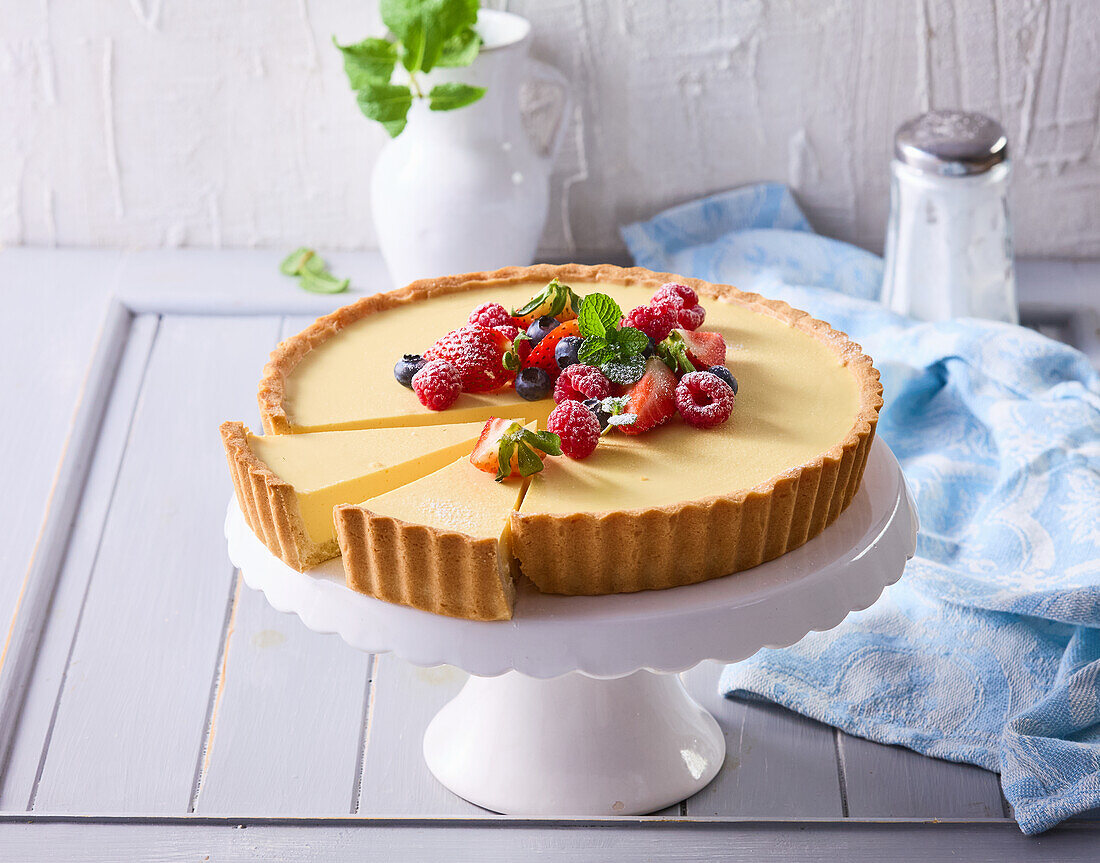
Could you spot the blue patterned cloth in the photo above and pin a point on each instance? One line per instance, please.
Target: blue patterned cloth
(988, 650)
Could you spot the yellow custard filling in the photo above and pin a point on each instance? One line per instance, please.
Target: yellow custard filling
(795, 401)
(330, 468)
(459, 498)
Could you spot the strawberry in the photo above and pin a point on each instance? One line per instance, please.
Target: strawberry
(556, 300)
(477, 353)
(652, 400)
(542, 354)
(704, 349)
(506, 448)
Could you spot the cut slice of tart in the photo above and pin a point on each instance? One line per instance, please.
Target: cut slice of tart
(440, 544)
(287, 485)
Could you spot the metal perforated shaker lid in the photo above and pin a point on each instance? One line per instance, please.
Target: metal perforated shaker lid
(951, 143)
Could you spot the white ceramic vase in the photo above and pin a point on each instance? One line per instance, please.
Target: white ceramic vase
(466, 190)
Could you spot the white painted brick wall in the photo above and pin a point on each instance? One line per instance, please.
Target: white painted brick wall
(140, 123)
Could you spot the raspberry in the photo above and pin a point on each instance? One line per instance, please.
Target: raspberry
(491, 315)
(704, 400)
(437, 385)
(510, 331)
(681, 296)
(579, 382)
(577, 427)
(691, 319)
(655, 320)
(477, 353)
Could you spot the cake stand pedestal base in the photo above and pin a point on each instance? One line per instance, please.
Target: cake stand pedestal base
(574, 744)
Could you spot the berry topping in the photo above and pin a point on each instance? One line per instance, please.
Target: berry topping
(653, 399)
(704, 399)
(510, 331)
(477, 353)
(704, 349)
(680, 296)
(533, 383)
(408, 366)
(655, 320)
(491, 315)
(580, 382)
(555, 299)
(507, 449)
(566, 351)
(437, 385)
(543, 354)
(577, 427)
(691, 319)
(541, 327)
(726, 375)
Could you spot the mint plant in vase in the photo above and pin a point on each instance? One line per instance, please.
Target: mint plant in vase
(459, 186)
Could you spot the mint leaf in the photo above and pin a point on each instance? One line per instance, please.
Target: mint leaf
(424, 26)
(322, 282)
(595, 350)
(387, 103)
(312, 272)
(624, 370)
(296, 261)
(622, 419)
(599, 314)
(461, 49)
(368, 62)
(632, 341)
(447, 97)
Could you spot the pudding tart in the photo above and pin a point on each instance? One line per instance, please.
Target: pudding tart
(675, 505)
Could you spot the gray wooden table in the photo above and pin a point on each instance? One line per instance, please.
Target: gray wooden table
(155, 707)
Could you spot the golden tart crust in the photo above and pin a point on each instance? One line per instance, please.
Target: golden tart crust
(270, 505)
(618, 551)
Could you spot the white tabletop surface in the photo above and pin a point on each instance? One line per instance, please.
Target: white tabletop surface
(167, 706)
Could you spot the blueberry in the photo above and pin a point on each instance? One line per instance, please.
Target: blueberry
(650, 349)
(726, 375)
(566, 351)
(408, 366)
(540, 327)
(602, 416)
(533, 383)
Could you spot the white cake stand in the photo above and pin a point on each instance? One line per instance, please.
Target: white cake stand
(575, 707)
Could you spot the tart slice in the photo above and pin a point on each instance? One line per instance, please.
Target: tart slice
(287, 485)
(440, 544)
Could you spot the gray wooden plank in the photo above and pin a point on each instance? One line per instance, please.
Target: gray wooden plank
(748, 841)
(284, 737)
(57, 637)
(51, 315)
(287, 714)
(131, 718)
(395, 779)
(893, 782)
(777, 762)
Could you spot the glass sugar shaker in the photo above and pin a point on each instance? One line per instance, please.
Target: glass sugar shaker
(949, 239)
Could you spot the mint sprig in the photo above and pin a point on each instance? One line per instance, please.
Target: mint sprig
(522, 443)
(312, 272)
(424, 34)
(614, 350)
(617, 415)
